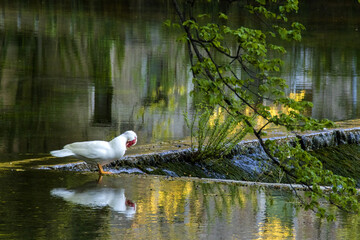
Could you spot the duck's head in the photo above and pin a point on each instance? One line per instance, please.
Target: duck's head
(131, 138)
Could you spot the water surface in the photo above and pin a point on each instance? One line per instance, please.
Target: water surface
(80, 70)
(67, 205)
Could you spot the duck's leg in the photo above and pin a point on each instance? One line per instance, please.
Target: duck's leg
(99, 179)
(101, 170)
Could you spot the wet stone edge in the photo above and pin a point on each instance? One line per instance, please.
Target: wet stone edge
(247, 161)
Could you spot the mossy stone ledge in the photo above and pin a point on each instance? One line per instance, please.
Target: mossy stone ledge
(338, 149)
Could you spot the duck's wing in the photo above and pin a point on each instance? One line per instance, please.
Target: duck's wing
(91, 149)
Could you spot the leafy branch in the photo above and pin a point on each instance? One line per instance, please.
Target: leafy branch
(217, 52)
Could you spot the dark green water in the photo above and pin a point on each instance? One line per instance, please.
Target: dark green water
(80, 70)
(63, 205)
(76, 70)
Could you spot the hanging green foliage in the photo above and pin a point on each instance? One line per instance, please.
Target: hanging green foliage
(235, 66)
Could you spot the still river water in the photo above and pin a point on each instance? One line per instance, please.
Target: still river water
(62, 205)
(82, 70)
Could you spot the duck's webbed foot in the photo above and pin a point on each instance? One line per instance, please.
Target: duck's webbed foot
(101, 170)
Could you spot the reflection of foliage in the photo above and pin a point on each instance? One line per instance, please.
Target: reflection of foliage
(217, 51)
(192, 207)
(214, 137)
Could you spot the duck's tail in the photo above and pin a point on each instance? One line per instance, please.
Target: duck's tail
(62, 153)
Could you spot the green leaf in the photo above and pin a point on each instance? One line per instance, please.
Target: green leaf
(205, 15)
(167, 23)
(223, 16)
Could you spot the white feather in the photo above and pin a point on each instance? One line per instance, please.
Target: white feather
(62, 153)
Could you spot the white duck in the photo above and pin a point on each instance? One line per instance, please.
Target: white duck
(99, 152)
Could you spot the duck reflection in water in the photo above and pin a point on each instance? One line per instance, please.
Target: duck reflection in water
(94, 195)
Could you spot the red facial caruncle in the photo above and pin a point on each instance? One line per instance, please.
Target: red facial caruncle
(130, 143)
